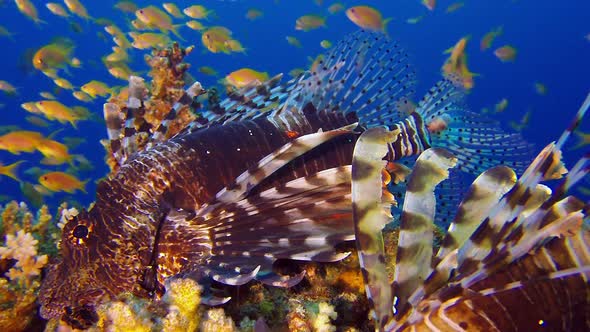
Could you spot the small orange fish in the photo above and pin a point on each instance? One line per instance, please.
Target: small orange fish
(16, 142)
(367, 18)
(505, 53)
(245, 76)
(488, 38)
(60, 181)
(501, 105)
(310, 22)
(54, 151)
(430, 4)
(454, 7)
(455, 67)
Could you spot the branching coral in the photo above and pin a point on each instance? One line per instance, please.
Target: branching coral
(28, 240)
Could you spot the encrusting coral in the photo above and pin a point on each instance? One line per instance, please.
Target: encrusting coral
(28, 242)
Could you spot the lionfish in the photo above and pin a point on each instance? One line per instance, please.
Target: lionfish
(265, 175)
(516, 256)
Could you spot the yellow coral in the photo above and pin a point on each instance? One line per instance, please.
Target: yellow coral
(322, 322)
(184, 296)
(119, 316)
(216, 321)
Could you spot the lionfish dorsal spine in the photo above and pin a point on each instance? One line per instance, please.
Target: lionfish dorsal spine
(415, 243)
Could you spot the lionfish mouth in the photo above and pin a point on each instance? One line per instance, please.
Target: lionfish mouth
(80, 317)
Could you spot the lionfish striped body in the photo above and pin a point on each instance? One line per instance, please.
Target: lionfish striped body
(515, 258)
(264, 177)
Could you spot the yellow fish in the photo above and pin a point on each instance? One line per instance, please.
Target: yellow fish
(505, 53)
(501, 105)
(455, 67)
(195, 25)
(31, 107)
(19, 141)
(54, 110)
(367, 18)
(488, 38)
(152, 15)
(53, 56)
(215, 39)
(63, 83)
(60, 181)
(77, 8)
(7, 88)
(96, 88)
(197, 12)
(10, 170)
(126, 6)
(310, 22)
(234, 46)
(82, 96)
(335, 8)
(57, 9)
(147, 40)
(54, 151)
(28, 9)
(172, 9)
(293, 41)
(583, 139)
(253, 14)
(245, 76)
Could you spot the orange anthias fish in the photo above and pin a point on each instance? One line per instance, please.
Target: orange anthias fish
(54, 110)
(430, 4)
(245, 76)
(55, 152)
(367, 18)
(153, 16)
(20, 141)
(505, 53)
(28, 8)
(488, 38)
(310, 22)
(456, 65)
(53, 56)
(77, 8)
(216, 38)
(60, 181)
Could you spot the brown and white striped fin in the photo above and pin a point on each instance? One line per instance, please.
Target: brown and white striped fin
(415, 244)
(370, 216)
(186, 100)
(275, 160)
(484, 193)
(304, 219)
(507, 220)
(114, 119)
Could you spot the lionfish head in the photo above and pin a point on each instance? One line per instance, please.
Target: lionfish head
(94, 267)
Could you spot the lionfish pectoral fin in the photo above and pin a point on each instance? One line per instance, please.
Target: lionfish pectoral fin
(303, 219)
(277, 159)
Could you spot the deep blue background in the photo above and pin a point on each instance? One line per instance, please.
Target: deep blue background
(549, 36)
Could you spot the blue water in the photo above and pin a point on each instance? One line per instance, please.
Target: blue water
(549, 36)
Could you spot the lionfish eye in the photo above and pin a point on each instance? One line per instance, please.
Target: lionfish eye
(80, 231)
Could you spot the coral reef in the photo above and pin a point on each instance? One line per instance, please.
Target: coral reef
(28, 242)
